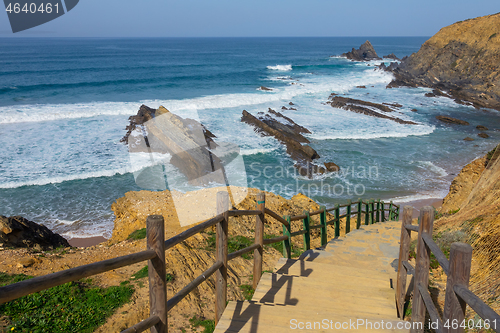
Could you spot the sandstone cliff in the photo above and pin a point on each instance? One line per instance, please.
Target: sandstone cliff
(475, 192)
(463, 59)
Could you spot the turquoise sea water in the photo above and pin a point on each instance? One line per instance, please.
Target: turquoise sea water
(64, 105)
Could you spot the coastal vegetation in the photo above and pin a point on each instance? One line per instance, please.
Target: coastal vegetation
(78, 306)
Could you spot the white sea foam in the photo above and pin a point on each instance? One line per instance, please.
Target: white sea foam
(428, 165)
(282, 68)
(255, 151)
(421, 196)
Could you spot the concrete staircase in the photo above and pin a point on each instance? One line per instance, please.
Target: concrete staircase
(347, 286)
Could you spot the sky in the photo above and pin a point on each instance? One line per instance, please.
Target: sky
(255, 18)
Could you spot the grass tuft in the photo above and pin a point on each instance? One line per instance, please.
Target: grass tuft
(71, 307)
(138, 234)
(208, 325)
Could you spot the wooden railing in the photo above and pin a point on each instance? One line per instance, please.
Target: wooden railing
(374, 211)
(457, 269)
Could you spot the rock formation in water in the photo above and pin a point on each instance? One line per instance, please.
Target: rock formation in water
(366, 108)
(366, 52)
(462, 59)
(188, 142)
(290, 134)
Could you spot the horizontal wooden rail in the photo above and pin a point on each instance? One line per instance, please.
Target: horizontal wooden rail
(409, 268)
(277, 217)
(241, 252)
(297, 233)
(412, 227)
(440, 257)
(171, 242)
(316, 212)
(193, 284)
(143, 325)
(26, 287)
(431, 308)
(298, 217)
(318, 226)
(483, 310)
(275, 240)
(243, 212)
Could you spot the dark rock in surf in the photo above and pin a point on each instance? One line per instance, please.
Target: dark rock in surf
(451, 120)
(366, 108)
(365, 52)
(16, 231)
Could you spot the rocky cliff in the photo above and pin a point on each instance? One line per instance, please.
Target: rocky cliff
(474, 202)
(462, 59)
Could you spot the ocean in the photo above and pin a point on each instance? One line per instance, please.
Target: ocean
(65, 103)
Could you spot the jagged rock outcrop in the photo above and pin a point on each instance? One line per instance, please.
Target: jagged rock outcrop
(16, 231)
(462, 59)
(365, 52)
(391, 56)
(290, 134)
(365, 107)
(186, 140)
(451, 120)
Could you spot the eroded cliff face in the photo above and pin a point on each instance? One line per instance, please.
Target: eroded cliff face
(462, 59)
(479, 221)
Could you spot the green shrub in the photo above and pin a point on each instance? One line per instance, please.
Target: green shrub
(247, 291)
(138, 234)
(142, 273)
(71, 307)
(209, 325)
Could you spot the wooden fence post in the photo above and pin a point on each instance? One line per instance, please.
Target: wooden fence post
(454, 307)
(221, 255)
(422, 267)
(360, 207)
(155, 229)
(348, 217)
(324, 230)
(372, 211)
(367, 212)
(287, 243)
(382, 217)
(259, 239)
(307, 227)
(337, 220)
(377, 215)
(390, 211)
(404, 250)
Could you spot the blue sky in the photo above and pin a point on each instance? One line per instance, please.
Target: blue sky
(255, 18)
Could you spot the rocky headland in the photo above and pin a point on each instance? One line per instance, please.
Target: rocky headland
(462, 60)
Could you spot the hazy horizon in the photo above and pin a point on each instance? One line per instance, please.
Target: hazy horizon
(226, 19)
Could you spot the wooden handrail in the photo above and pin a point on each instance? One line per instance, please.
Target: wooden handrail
(243, 212)
(275, 240)
(276, 216)
(26, 287)
(431, 308)
(193, 284)
(171, 242)
(483, 310)
(241, 252)
(441, 258)
(157, 247)
(143, 325)
(457, 268)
